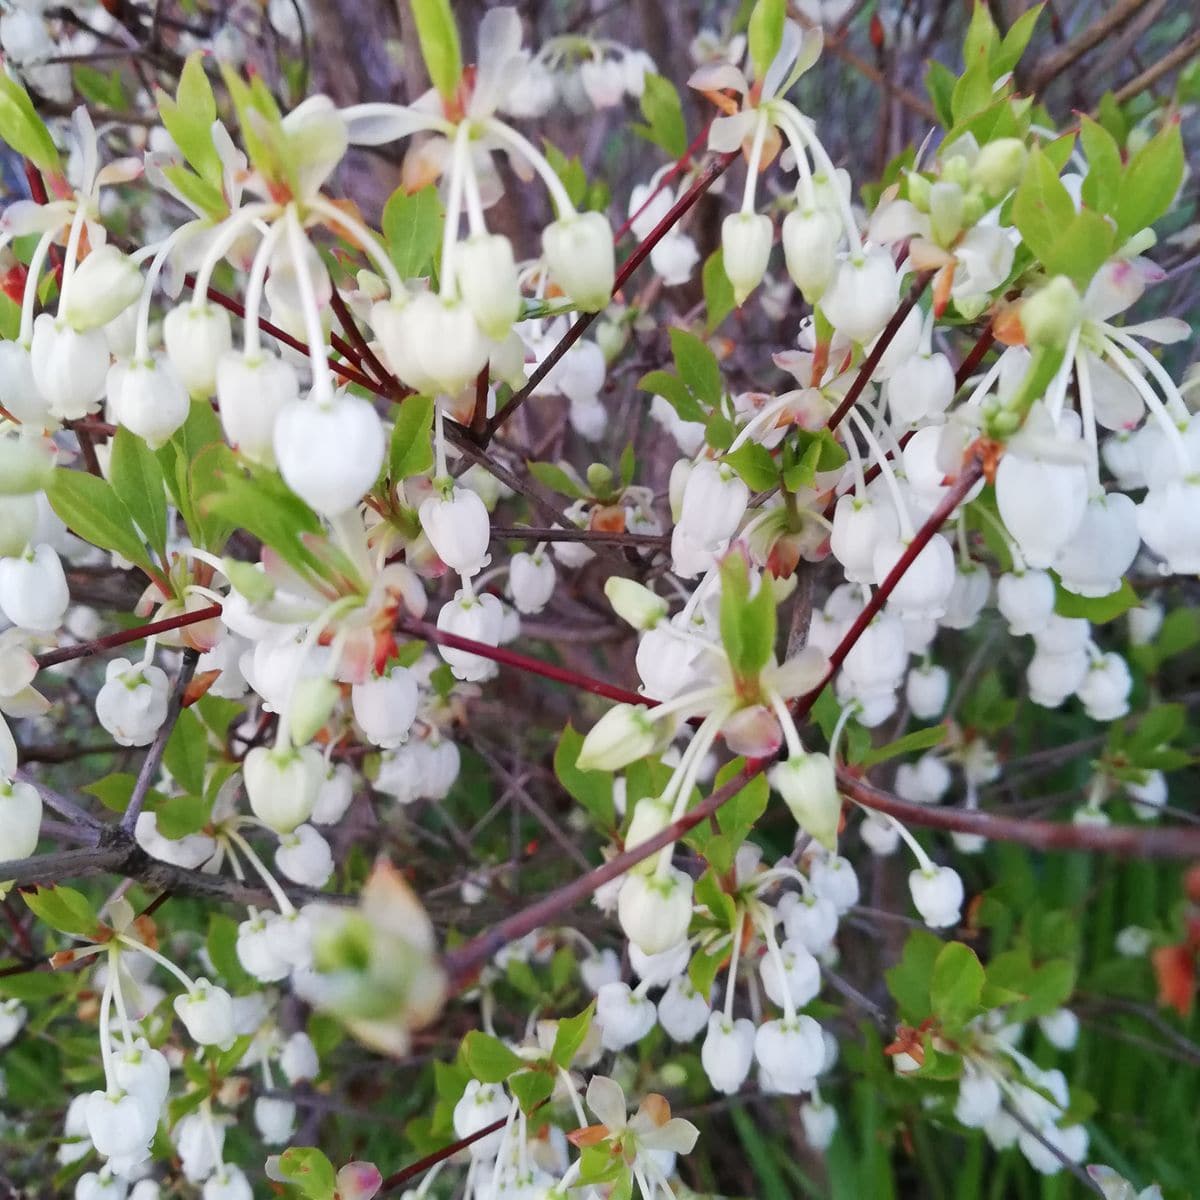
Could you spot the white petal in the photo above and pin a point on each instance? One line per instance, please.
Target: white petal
(781, 66)
(120, 170)
(677, 1134)
(726, 134)
(8, 756)
(606, 1099)
(1165, 330)
(716, 77)
(377, 124)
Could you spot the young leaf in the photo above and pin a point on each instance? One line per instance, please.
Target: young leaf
(697, 366)
(490, 1060)
(956, 986)
(412, 230)
(309, 1170)
(531, 1088)
(189, 118)
(411, 451)
(64, 909)
(673, 389)
(570, 1034)
(1097, 609)
(665, 125)
(22, 129)
(186, 752)
(92, 510)
(592, 789)
(556, 479)
(137, 479)
(1043, 207)
(755, 464)
(919, 739)
(718, 291)
(440, 49)
(765, 33)
(1102, 183)
(1151, 181)
(908, 981)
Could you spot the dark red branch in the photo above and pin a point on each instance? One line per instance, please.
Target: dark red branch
(123, 637)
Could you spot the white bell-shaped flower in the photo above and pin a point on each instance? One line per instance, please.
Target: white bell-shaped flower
(228, 1182)
(104, 284)
(810, 250)
(479, 618)
(881, 837)
(252, 390)
(1061, 1028)
(19, 391)
(200, 1143)
(581, 259)
(69, 368)
(304, 857)
(920, 389)
(714, 501)
(191, 851)
(657, 970)
(745, 249)
(811, 921)
(1105, 688)
(91, 1186)
(531, 579)
(1041, 503)
(668, 663)
(334, 795)
(146, 396)
(972, 587)
(432, 342)
(457, 526)
(1145, 621)
(820, 1121)
(298, 1058)
(795, 973)
(132, 704)
(275, 1119)
(487, 281)
(386, 706)
(625, 1016)
(924, 782)
(791, 1054)
(978, 1097)
(1054, 677)
(33, 590)
(196, 337)
(144, 1073)
(329, 452)
(727, 1052)
(1166, 519)
(809, 788)
(860, 526)
(256, 951)
(598, 969)
(833, 879)
(1025, 600)
(119, 1128)
(282, 784)
(937, 893)
(481, 1105)
(654, 912)
(863, 295)
(1102, 548)
(682, 1011)
(925, 586)
(207, 1012)
(1149, 795)
(927, 689)
(877, 661)
(20, 818)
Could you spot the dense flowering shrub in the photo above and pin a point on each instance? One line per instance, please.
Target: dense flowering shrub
(294, 438)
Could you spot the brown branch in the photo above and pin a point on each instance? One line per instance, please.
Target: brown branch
(111, 640)
(1053, 66)
(1186, 49)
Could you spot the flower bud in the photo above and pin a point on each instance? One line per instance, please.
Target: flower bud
(945, 212)
(457, 525)
(820, 1121)
(33, 590)
(809, 789)
(26, 464)
(624, 1016)
(207, 1013)
(329, 452)
(1051, 313)
(147, 398)
(531, 579)
(580, 257)
(386, 706)
(623, 735)
(654, 912)
(68, 367)
(833, 879)
(251, 393)
(937, 893)
(229, 1182)
(310, 706)
(634, 603)
(810, 250)
(196, 336)
(132, 704)
(104, 284)
(275, 1119)
(651, 815)
(298, 1059)
(926, 690)
(20, 818)
(282, 784)
(745, 249)
(999, 167)
(487, 281)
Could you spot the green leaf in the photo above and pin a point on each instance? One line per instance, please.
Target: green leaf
(490, 1060)
(697, 366)
(973, 92)
(1041, 989)
(1006, 57)
(189, 119)
(672, 389)
(956, 986)
(179, 816)
(92, 510)
(194, 462)
(570, 171)
(1109, 114)
(1083, 247)
(411, 451)
(221, 944)
(665, 125)
(703, 968)
(1102, 183)
(592, 789)
(1097, 609)
(438, 35)
(203, 194)
(98, 88)
(22, 129)
(570, 1035)
(719, 902)
(982, 39)
(919, 739)
(718, 291)
(909, 980)
(756, 466)
(1043, 207)
(765, 33)
(939, 83)
(64, 909)
(412, 230)
(309, 1170)
(1151, 181)
(735, 819)
(807, 454)
(186, 753)
(556, 479)
(113, 791)
(137, 479)
(531, 1089)
(988, 709)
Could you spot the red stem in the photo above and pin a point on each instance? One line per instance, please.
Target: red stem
(431, 1160)
(110, 641)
